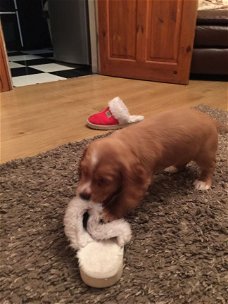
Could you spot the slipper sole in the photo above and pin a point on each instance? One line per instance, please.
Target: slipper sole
(101, 263)
(109, 127)
(105, 127)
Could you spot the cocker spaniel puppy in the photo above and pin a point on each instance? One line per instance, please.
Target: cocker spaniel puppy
(118, 169)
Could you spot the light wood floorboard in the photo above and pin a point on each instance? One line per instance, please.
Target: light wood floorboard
(41, 117)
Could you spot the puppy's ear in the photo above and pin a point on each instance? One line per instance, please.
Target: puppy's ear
(84, 153)
(135, 182)
(80, 162)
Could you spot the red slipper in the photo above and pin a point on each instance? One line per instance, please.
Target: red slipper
(115, 116)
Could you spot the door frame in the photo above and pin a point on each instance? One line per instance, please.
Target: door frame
(93, 31)
(5, 75)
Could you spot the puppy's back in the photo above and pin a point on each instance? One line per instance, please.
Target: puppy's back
(171, 136)
(170, 123)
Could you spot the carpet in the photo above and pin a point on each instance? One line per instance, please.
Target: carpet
(177, 253)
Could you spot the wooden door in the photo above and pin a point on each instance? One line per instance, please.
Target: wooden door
(5, 77)
(147, 39)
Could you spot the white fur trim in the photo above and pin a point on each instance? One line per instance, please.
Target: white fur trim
(73, 224)
(135, 118)
(121, 113)
(118, 228)
(79, 237)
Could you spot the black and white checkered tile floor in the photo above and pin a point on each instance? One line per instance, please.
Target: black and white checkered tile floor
(38, 66)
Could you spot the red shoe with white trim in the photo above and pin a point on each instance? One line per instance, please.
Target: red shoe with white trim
(115, 116)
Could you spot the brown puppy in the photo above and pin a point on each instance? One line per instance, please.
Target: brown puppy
(118, 169)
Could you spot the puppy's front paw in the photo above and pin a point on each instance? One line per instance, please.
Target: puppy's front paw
(171, 169)
(201, 185)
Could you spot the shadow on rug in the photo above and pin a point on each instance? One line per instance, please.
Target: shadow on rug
(177, 254)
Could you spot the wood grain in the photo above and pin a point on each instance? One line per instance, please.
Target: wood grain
(40, 117)
(146, 39)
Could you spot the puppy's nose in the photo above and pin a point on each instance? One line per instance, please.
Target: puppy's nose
(85, 195)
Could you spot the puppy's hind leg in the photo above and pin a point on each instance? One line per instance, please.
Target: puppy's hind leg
(207, 166)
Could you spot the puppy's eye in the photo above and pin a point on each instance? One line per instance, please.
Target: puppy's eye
(102, 181)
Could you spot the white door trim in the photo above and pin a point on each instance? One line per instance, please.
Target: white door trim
(93, 25)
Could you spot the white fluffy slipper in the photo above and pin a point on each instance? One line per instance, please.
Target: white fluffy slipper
(100, 248)
(101, 263)
(115, 116)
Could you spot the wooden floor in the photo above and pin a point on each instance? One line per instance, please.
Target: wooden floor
(40, 117)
